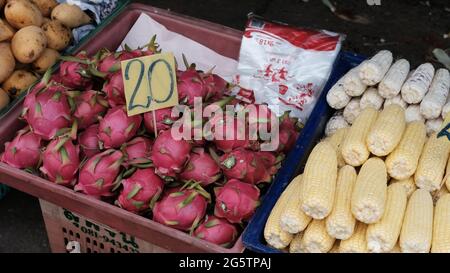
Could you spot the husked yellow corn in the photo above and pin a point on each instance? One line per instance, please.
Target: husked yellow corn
(354, 148)
(319, 181)
(387, 130)
(296, 244)
(417, 228)
(441, 226)
(316, 239)
(408, 184)
(403, 161)
(335, 248)
(341, 222)
(383, 235)
(357, 243)
(369, 193)
(437, 194)
(336, 140)
(293, 219)
(396, 249)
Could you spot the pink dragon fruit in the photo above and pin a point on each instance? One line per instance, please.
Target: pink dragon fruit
(137, 151)
(23, 151)
(61, 161)
(140, 191)
(217, 231)
(288, 133)
(163, 120)
(236, 201)
(47, 111)
(98, 176)
(201, 168)
(74, 72)
(180, 209)
(228, 137)
(110, 61)
(169, 156)
(89, 142)
(190, 85)
(114, 89)
(116, 127)
(89, 106)
(215, 86)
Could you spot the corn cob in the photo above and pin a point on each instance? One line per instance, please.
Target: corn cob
(354, 148)
(352, 110)
(396, 249)
(373, 70)
(437, 194)
(369, 193)
(446, 108)
(408, 184)
(387, 131)
(392, 82)
(319, 179)
(296, 244)
(341, 223)
(382, 236)
(353, 85)
(357, 243)
(395, 100)
(402, 162)
(335, 248)
(433, 125)
(336, 140)
(337, 98)
(434, 100)
(441, 226)
(432, 163)
(416, 86)
(417, 227)
(293, 219)
(274, 235)
(316, 239)
(336, 122)
(447, 176)
(371, 98)
(412, 113)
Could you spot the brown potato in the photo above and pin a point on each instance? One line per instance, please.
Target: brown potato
(47, 59)
(28, 44)
(7, 61)
(71, 16)
(45, 6)
(6, 31)
(58, 35)
(4, 99)
(22, 13)
(18, 82)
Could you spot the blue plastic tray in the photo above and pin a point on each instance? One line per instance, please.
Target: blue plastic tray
(253, 237)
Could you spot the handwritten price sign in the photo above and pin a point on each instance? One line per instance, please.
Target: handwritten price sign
(150, 83)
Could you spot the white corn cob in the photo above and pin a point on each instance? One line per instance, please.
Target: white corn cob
(316, 239)
(446, 108)
(337, 98)
(416, 86)
(357, 243)
(319, 181)
(336, 122)
(373, 70)
(433, 125)
(293, 219)
(296, 244)
(392, 82)
(352, 110)
(402, 162)
(341, 223)
(408, 184)
(396, 100)
(417, 228)
(354, 149)
(437, 194)
(434, 100)
(335, 248)
(412, 113)
(382, 236)
(371, 98)
(441, 226)
(396, 249)
(336, 140)
(369, 193)
(387, 130)
(353, 85)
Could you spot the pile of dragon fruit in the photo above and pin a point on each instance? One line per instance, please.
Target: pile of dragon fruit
(79, 135)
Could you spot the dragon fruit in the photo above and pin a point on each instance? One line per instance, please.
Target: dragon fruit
(114, 89)
(190, 85)
(116, 127)
(182, 209)
(216, 230)
(163, 120)
(74, 72)
(215, 86)
(140, 191)
(228, 137)
(98, 176)
(169, 156)
(236, 201)
(61, 161)
(288, 133)
(47, 111)
(110, 61)
(137, 151)
(201, 168)
(23, 151)
(88, 140)
(89, 106)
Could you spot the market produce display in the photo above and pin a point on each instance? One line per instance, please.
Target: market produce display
(79, 135)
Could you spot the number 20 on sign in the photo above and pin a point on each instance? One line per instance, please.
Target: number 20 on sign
(150, 83)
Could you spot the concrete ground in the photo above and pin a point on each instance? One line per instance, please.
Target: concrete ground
(411, 29)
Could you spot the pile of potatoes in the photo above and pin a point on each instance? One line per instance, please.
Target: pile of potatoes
(32, 32)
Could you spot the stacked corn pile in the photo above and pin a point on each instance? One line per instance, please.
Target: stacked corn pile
(377, 186)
